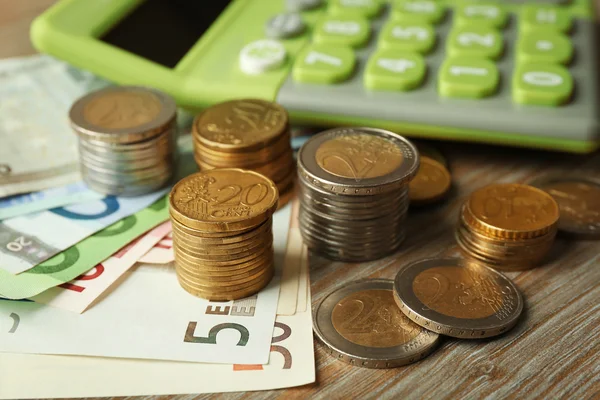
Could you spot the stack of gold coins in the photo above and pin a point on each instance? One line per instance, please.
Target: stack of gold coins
(127, 139)
(222, 235)
(249, 134)
(354, 192)
(508, 226)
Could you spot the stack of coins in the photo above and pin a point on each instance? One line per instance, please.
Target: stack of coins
(249, 134)
(508, 226)
(222, 235)
(354, 192)
(127, 139)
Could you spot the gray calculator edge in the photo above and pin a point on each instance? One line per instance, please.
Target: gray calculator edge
(575, 121)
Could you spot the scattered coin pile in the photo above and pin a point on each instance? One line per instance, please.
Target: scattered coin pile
(508, 226)
(222, 236)
(354, 192)
(401, 321)
(127, 139)
(249, 134)
(578, 200)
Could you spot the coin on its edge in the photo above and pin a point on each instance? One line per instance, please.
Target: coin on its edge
(578, 200)
(361, 325)
(458, 298)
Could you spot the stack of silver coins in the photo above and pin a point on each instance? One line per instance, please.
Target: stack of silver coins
(127, 139)
(354, 192)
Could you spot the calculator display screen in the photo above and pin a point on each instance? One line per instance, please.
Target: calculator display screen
(163, 31)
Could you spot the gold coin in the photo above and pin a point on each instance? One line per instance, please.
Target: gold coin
(286, 181)
(225, 269)
(240, 125)
(122, 114)
(257, 284)
(261, 281)
(511, 210)
(227, 257)
(263, 259)
(211, 250)
(264, 155)
(213, 235)
(223, 200)
(227, 283)
(219, 263)
(122, 109)
(210, 274)
(359, 156)
(264, 229)
(287, 195)
(223, 296)
(431, 183)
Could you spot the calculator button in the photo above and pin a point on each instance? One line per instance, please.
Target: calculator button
(489, 14)
(302, 5)
(324, 64)
(468, 77)
(545, 46)
(556, 18)
(476, 41)
(418, 10)
(394, 70)
(355, 8)
(542, 84)
(262, 56)
(354, 32)
(285, 26)
(415, 37)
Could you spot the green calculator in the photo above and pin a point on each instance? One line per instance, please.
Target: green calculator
(521, 73)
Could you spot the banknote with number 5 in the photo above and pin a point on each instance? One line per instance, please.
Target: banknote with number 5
(149, 316)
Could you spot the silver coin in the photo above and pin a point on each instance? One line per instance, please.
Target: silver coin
(376, 335)
(578, 199)
(122, 114)
(352, 202)
(458, 298)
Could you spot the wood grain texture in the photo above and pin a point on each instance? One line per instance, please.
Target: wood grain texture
(552, 353)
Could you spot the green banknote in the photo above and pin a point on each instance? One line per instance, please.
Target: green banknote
(78, 259)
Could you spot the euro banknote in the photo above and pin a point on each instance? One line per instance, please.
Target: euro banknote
(29, 203)
(78, 294)
(149, 316)
(39, 149)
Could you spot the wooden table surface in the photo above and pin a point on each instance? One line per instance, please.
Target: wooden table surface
(553, 352)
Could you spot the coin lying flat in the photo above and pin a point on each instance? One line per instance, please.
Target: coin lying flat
(361, 325)
(223, 199)
(457, 298)
(432, 182)
(578, 199)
